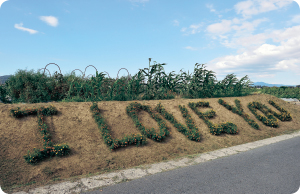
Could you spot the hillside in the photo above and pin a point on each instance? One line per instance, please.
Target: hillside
(75, 125)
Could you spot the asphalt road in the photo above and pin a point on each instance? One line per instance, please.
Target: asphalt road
(273, 169)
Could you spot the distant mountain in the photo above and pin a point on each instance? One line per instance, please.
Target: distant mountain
(270, 85)
(5, 77)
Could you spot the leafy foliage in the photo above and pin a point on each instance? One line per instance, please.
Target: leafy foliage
(34, 88)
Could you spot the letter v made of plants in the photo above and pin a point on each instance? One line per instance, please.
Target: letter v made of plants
(239, 110)
(48, 149)
(193, 133)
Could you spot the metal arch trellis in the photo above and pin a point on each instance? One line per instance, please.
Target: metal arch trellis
(79, 70)
(84, 71)
(120, 70)
(48, 70)
(90, 74)
(45, 68)
(105, 72)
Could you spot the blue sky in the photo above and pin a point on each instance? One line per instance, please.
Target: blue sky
(260, 39)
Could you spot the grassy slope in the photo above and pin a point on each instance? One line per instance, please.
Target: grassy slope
(75, 126)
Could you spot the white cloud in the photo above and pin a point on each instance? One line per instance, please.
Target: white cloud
(227, 26)
(19, 26)
(289, 33)
(249, 41)
(287, 64)
(50, 20)
(249, 26)
(183, 29)
(223, 37)
(236, 21)
(254, 7)
(176, 23)
(265, 59)
(240, 30)
(266, 49)
(265, 75)
(255, 56)
(220, 28)
(190, 48)
(210, 7)
(295, 20)
(193, 29)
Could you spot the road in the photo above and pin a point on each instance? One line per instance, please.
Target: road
(273, 168)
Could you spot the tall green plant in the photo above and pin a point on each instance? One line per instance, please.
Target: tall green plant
(201, 84)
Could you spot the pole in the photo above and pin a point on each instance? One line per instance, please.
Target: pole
(149, 66)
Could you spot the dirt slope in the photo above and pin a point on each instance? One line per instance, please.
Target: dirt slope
(75, 126)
